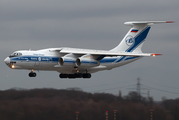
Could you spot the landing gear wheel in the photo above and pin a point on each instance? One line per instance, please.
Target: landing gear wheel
(87, 75)
(76, 75)
(71, 76)
(63, 75)
(32, 74)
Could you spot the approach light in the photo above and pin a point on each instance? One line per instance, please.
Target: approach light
(12, 66)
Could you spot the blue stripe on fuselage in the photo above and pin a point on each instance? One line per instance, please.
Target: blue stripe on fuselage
(116, 59)
(120, 59)
(35, 58)
(130, 58)
(108, 60)
(55, 59)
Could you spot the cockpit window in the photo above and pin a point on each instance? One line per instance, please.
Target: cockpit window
(15, 54)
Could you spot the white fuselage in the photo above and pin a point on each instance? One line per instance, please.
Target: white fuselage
(48, 60)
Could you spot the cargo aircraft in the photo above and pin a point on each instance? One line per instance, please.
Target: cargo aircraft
(80, 63)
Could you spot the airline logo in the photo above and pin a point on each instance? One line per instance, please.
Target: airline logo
(134, 30)
(39, 58)
(129, 40)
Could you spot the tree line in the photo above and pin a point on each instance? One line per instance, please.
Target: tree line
(54, 104)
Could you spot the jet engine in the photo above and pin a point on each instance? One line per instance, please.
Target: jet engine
(67, 60)
(87, 61)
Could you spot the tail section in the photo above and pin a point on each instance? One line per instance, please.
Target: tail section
(136, 36)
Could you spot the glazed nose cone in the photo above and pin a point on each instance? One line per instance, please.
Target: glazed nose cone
(7, 60)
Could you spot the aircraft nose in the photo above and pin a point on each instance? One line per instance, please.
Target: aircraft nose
(7, 60)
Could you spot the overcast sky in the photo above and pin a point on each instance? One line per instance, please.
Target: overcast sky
(94, 24)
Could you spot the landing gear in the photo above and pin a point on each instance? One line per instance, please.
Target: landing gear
(32, 74)
(87, 75)
(76, 75)
(63, 75)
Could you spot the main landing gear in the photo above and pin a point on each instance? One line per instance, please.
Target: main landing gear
(32, 74)
(76, 75)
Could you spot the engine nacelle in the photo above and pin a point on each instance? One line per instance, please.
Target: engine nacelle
(67, 60)
(87, 61)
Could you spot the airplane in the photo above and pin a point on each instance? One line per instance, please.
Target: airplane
(80, 63)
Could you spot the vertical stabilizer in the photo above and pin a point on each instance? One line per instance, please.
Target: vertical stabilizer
(134, 39)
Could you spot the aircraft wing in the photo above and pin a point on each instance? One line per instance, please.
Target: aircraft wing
(103, 52)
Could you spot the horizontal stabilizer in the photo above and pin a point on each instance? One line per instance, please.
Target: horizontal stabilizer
(146, 22)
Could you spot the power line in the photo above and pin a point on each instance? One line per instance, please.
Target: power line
(112, 88)
(138, 88)
(167, 86)
(160, 89)
(104, 84)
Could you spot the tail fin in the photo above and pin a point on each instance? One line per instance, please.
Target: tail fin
(135, 38)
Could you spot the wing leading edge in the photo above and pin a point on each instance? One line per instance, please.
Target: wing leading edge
(103, 52)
